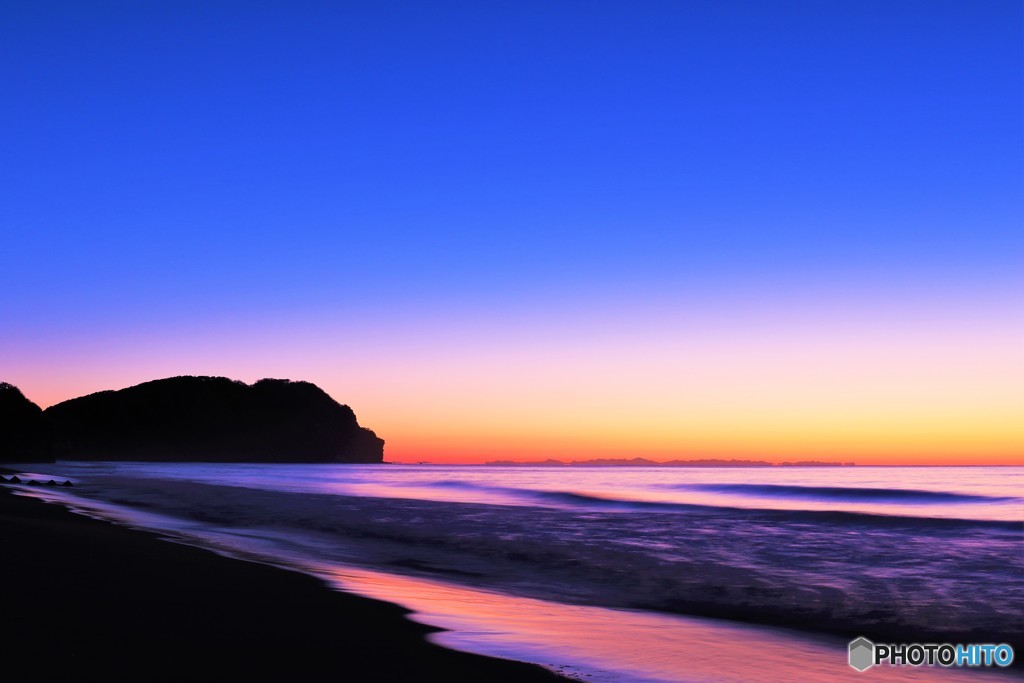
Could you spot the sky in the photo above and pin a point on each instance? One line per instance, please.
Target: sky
(522, 230)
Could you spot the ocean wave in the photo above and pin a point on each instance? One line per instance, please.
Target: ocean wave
(822, 570)
(578, 500)
(569, 498)
(843, 493)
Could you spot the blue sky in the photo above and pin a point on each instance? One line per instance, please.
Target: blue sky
(314, 145)
(167, 164)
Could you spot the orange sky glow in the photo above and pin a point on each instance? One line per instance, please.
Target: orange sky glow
(903, 385)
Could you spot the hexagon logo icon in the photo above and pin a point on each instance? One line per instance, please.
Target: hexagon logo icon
(862, 654)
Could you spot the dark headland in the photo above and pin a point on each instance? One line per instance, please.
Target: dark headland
(189, 419)
(25, 433)
(82, 595)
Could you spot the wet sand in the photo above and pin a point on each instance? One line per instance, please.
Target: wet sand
(82, 595)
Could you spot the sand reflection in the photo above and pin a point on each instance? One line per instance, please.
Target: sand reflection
(598, 644)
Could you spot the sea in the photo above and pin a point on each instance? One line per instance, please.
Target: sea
(620, 574)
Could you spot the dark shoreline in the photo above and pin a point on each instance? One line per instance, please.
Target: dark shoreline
(86, 595)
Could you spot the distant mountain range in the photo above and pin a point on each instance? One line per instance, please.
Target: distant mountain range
(644, 462)
(188, 419)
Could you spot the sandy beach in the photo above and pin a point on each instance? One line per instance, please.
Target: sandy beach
(86, 595)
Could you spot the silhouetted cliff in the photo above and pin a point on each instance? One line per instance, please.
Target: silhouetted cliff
(212, 419)
(24, 433)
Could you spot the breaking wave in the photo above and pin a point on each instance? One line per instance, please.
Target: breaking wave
(844, 493)
(577, 500)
